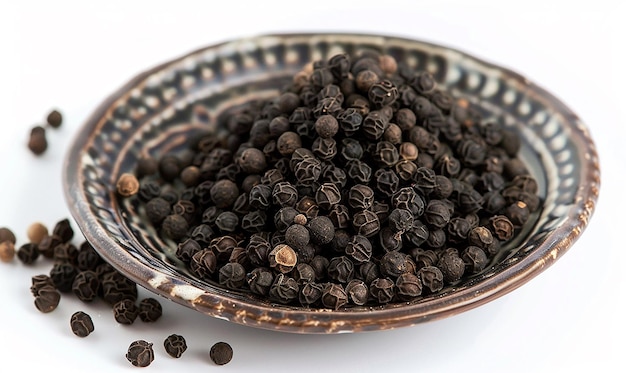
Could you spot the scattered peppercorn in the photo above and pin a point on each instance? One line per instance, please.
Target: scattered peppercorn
(125, 311)
(221, 353)
(47, 299)
(81, 324)
(54, 119)
(37, 142)
(140, 353)
(150, 310)
(175, 345)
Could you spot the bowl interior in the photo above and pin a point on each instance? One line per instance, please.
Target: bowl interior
(166, 107)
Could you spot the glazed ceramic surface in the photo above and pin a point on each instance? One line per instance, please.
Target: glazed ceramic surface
(161, 109)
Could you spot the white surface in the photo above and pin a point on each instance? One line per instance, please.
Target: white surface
(70, 56)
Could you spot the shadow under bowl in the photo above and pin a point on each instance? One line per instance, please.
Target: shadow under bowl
(159, 111)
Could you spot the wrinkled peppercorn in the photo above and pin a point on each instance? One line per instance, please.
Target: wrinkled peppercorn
(125, 311)
(47, 299)
(140, 353)
(86, 285)
(150, 310)
(175, 345)
(81, 324)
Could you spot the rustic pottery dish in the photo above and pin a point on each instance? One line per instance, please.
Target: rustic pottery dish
(158, 111)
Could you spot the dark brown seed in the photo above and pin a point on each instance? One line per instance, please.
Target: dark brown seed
(86, 285)
(150, 310)
(47, 299)
(221, 353)
(81, 324)
(54, 119)
(334, 296)
(125, 311)
(140, 353)
(37, 142)
(28, 253)
(175, 345)
(7, 235)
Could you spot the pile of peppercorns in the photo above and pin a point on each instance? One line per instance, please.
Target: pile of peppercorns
(82, 272)
(361, 183)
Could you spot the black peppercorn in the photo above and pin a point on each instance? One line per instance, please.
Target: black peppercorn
(221, 353)
(310, 293)
(37, 142)
(334, 296)
(382, 290)
(47, 298)
(408, 286)
(81, 324)
(297, 236)
(501, 227)
(260, 280)
(116, 287)
(175, 227)
(86, 285)
(125, 311)
(28, 253)
(340, 269)
(432, 279)
(284, 289)
(54, 119)
(357, 292)
(150, 310)
(366, 223)
(359, 249)
(360, 197)
(175, 345)
(140, 353)
(232, 275)
(321, 229)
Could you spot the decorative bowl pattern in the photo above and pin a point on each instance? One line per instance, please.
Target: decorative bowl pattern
(162, 108)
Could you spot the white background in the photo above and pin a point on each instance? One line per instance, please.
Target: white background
(70, 56)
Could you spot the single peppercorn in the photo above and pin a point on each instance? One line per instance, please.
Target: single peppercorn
(125, 311)
(175, 345)
(47, 299)
(81, 324)
(116, 287)
(86, 285)
(140, 353)
(28, 253)
(37, 142)
(63, 230)
(284, 289)
(150, 310)
(432, 278)
(334, 296)
(382, 290)
(54, 119)
(221, 353)
(232, 275)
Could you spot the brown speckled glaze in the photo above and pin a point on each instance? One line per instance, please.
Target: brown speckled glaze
(162, 108)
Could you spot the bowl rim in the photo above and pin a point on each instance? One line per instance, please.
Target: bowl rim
(304, 320)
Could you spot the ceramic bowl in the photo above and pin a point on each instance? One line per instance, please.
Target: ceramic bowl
(158, 111)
